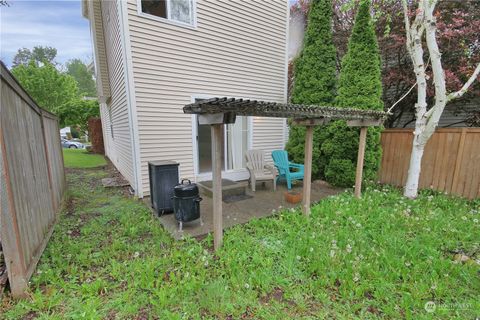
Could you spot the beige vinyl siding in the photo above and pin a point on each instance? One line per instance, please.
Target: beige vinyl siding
(237, 49)
(101, 68)
(118, 144)
(267, 136)
(107, 134)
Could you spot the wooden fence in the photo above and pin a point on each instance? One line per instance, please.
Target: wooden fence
(32, 180)
(451, 162)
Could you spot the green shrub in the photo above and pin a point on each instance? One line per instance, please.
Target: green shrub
(315, 78)
(359, 87)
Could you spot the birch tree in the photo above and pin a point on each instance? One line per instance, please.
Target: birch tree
(421, 33)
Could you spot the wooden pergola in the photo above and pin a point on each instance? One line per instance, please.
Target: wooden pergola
(217, 112)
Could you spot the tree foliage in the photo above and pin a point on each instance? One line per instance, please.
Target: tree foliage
(360, 87)
(48, 87)
(458, 26)
(315, 77)
(77, 112)
(84, 77)
(38, 54)
(59, 92)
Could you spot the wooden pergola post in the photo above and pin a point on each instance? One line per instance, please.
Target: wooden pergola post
(219, 111)
(360, 157)
(216, 130)
(363, 124)
(307, 178)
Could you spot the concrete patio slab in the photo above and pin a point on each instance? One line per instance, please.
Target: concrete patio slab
(262, 204)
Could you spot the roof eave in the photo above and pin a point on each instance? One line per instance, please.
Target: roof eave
(85, 9)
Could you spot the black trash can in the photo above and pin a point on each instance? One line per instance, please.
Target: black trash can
(186, 202)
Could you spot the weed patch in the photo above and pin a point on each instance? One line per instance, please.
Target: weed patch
(382, 256)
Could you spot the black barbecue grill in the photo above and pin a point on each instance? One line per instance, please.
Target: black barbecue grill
(186, 202)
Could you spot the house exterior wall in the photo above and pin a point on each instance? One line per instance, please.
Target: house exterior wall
(114, 111)
(453, 116)
(238, 49)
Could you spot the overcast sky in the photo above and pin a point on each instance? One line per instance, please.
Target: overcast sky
(59, 24)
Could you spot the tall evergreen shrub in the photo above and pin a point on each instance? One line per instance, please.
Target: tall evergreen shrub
(315, 78)
(360, 87)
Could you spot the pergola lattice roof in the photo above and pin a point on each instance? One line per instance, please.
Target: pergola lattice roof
(243, 107)
(217, 112)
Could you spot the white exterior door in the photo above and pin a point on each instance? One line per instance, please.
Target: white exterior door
(236, 143)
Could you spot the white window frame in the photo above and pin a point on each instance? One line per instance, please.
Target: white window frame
(167, 20)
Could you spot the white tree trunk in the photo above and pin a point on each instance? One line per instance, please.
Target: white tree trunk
(415, 49)
(414, 170)
(426, 121)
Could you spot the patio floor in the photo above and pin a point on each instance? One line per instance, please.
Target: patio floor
(262, 204)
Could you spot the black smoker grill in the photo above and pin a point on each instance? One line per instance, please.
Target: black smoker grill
(186, 202)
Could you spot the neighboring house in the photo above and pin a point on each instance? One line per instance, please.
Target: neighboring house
(460, 113)
(153, 57)
(65, 133)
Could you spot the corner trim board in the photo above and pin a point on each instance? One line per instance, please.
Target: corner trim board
(132, 106)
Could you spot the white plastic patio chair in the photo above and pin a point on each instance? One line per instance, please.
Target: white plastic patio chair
(259, 170)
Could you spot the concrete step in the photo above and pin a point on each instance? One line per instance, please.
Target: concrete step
(229, 188)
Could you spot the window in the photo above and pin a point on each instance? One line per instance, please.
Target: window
(181, 11)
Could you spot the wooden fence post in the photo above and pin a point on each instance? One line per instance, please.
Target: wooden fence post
(458, 160)
(216, 130)
(11, 242)
(47, 156)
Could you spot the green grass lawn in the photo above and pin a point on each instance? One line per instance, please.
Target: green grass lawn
(379, 257)
(81, 158)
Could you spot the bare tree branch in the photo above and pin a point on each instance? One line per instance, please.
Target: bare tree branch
(403, 97)
(459, 93)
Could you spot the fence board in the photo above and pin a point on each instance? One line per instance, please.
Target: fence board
(33, 180)
(451, 162)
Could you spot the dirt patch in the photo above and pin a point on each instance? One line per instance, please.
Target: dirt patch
(374, 310)
(368, 294)
(75, 233)
(31, 315)
(70, 206)
(83, 219)
(112, 315)
(248, 314)
(144, 314)
(277, 294)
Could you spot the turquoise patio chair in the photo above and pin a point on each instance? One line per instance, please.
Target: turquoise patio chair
(284, 168)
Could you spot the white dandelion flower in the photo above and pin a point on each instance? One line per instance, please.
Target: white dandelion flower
(356, 278)
(349, 248)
